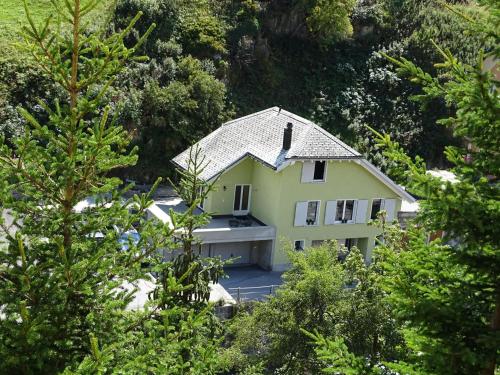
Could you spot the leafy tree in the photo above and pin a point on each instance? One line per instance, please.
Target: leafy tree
(201, 32)
(178, 114)
(336, 357)
(314, 297)
(330, 19)
(21, 82)
(177, 97)
(448, 293)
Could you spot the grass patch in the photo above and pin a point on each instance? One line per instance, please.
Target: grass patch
(13, 17)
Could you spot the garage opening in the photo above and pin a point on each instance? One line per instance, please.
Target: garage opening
(241, 253)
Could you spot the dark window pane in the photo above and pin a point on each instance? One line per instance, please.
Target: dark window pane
(319, 170)
(237, 198)
(340, 211)
(349, 243)
(299, 245)
(312, 208)
(246, 195)
(375, 208)
(349, 209)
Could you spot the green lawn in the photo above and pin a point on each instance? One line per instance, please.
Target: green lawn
(12, 17)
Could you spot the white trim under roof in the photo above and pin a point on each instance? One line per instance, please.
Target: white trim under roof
(386, 180)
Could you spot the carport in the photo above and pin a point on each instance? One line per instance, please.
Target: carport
(245, 240)
(242, 253)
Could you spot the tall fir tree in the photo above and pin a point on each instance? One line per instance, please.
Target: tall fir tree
(448, 293)
(61, 260)
(73, 249)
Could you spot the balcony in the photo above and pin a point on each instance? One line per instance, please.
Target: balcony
(221, 228)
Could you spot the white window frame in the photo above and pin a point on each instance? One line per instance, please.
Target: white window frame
(382, 200)
(303, 242)
(242, 212)
(324, 172)
(318, 210)
(307, 174)
(354, 209)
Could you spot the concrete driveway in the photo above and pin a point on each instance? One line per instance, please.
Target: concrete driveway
(253, 282)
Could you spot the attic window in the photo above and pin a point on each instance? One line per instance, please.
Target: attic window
(319, 171)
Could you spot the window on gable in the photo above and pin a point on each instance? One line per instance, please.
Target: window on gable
(319, 171)
(312, 212)
(345, 211)
(376, 207)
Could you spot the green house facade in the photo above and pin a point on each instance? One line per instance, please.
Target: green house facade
(281, 178)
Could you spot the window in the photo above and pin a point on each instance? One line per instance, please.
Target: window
(312, 212)
(350, 242)
(345, 211)
(317, 243)
(313, 171)
(241, 199)
(299, 245)
(319, 171)
(376, 207)
(345, 246)
(306, 213)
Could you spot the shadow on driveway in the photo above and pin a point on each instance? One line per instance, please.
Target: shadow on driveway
(254, 282)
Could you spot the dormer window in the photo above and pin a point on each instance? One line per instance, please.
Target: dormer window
(319, 170)
(314, 171)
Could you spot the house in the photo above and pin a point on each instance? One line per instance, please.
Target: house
(280, 176)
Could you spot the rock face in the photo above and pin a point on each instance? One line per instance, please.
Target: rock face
(279, 18)
(284, 19)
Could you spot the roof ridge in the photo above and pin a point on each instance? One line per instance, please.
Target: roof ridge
(296, 117)
(250, 115)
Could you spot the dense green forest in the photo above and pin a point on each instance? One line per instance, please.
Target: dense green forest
(210, 61)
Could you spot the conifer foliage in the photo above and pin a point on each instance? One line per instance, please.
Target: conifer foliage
(69, 242)
(63, 257)
(449, 294)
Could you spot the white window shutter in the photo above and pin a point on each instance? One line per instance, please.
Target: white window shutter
(300, 214)
(390, 207)
(361, 211)
(307, 171)
(331, 208)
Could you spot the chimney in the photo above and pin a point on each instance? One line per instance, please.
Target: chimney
(287, 136)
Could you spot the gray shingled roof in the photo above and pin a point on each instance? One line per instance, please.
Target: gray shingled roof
(260, 135)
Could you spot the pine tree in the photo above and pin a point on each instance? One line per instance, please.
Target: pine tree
(448, 293)
(61, 262)
(189, 266)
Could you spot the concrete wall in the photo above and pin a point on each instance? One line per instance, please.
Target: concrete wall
(262, 253)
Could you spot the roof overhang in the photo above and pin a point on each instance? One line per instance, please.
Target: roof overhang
(230, 166)
(385, 180)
